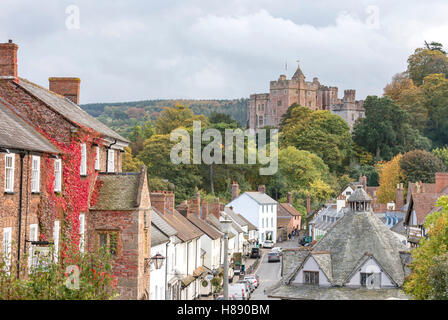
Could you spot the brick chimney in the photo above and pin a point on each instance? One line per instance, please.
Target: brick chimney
(364, 183)
(8, 60)
(215, 208)
(289, 197)
(441, 181)
(308, 204)
(262, 188)
(169, 200)
(204, 209)
(399, 197)
(158, 200)
(183, 208)
(235, 190)
(67, 87)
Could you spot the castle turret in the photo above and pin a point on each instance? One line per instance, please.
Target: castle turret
(349, 96)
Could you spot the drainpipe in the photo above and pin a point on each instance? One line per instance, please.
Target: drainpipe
(107, 154)
(22, 155)
(166, 270)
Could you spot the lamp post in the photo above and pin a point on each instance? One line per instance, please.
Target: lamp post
(225, 224)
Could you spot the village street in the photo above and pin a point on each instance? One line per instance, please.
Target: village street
(270, 273)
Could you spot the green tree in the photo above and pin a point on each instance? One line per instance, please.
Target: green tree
(420, 165)
(385, 130)
(175, 117)
(320, 132)
(130, 164)
(428, 268)
(442, 154)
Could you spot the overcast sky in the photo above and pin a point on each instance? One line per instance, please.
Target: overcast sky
(134, 50)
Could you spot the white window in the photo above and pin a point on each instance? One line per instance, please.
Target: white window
(82, 223)
(33, 237)
(110, 160)
(9, 172)
(57, 175)
(35, 174)
(272, 222)
(56, 240)
(83, 168)
(262, 223)
(97, 158)
(7, 234)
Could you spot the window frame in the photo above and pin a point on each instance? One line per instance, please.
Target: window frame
(32, 237)
(108, 233)
(82, 228)
(35, 168)
(83, 165)
(58, 175)
(110, 160)
(309, 277)
(9, 176)
(56, 232)
(97, 158)
(7, 247)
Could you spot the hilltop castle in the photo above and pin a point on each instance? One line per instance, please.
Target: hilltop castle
(267, 109)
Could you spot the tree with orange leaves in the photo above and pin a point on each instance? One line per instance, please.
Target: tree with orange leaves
(390, 174)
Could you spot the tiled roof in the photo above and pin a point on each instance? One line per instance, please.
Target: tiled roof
(260, 197)
(250, 225)
(423, 204)
(186, 231)
(16, 133)
(68, 109)
(119, 191)
(204, 226)
(162, 225)
(157, 236)
(287, 208)
(359, 195)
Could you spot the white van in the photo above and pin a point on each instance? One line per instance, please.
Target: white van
(239, 291)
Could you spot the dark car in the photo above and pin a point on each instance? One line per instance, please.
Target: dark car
(255, 253)
(273, 257)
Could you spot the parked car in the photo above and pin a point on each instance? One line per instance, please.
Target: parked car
(231, 297)
(253, 278)
(277, 249)
(273, 257)
(255, 253)
(249, 285)
(240, 291)
(268, 244)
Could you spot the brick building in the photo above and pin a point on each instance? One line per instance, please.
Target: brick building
(55, 160)
(267, 109)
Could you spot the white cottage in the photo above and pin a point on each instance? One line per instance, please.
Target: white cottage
(259, 209)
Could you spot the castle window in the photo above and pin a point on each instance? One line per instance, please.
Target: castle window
(108, 240)
(9, 172)
(285, 92)
(279, 103)
(311, 277)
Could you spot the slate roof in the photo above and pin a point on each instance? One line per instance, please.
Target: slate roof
(68, 109)
(359, 195)
(204, 227)
(234, 216)
(162, 225)
(186, 231)
(118, 191)
(340, 252)
(260, 197)
(250, 225)
(16, 133)
(157, 236)
(214, 222)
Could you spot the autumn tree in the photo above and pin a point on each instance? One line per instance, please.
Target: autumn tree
(424, 62)
(429, 268)
(175, 117)
(130, 163)
(390, 174)
(320, 132)
(442, 154)
(420, 165)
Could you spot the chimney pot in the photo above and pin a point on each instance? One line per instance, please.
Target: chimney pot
(289, 197)
(262, 188)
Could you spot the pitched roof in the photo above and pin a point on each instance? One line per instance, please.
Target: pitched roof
(68, 109)
(260, 197)
(204, 226)
(162, 225)
(186, 231)
(287, 209)
(355, 234)
(359, 195)
(234, 216)
(298, 73)
(214, 222)
(423, 203)
(157, 236)
(250, 225)
(118, 191)
(16, 133)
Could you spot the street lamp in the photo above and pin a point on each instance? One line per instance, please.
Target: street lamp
(158, 260)
(225, 225)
